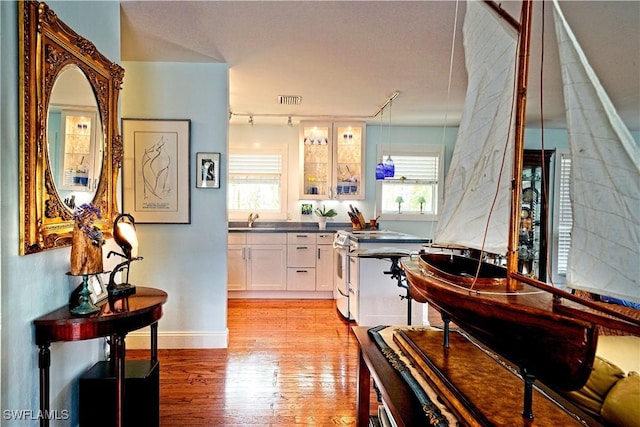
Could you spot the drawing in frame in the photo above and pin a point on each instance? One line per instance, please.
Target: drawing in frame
(156, 171)
(207, 170)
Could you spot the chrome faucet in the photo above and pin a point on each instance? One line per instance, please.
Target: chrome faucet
(252, 218)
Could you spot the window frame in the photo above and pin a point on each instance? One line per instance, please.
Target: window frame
(412, 150)
(257, 149)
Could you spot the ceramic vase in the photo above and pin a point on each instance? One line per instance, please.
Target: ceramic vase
(322, 223)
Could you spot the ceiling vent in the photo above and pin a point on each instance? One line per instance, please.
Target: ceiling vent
(289, 99)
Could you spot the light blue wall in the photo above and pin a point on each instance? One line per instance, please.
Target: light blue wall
(36, 284)
(188, 261)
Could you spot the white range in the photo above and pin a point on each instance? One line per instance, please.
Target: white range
(364, 290)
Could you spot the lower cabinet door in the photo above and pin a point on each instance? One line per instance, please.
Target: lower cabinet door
(325, 268)
(237, 267)
(301, 279)
(267, 266)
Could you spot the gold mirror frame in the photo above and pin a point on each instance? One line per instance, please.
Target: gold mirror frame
(47, 46)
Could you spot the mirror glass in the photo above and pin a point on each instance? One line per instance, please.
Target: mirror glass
(75, 139)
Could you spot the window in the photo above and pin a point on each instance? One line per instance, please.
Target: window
(418, 174)
(565, 217)
(257, 182)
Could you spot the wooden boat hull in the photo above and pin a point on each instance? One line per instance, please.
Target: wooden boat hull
(522, 327)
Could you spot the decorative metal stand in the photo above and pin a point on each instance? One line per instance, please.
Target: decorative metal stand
(397, 273)
(86, 307)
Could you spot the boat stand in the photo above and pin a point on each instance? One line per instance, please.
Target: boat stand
(397, 273)
(527, 411)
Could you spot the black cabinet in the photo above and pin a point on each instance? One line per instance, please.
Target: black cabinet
(532, 244)
(141, 400)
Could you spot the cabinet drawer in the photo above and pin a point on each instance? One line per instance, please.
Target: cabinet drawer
(266, 238)
(301, 238)
(325, 238)
(301, 279)
(236, 238)
(301, 255)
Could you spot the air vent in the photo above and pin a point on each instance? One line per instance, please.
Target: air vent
(289, 99)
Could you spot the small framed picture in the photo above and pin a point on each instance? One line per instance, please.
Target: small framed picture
(207, 170)
(97, 287)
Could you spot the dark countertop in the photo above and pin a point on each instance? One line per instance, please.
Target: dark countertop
(385, 237)
(284, 227)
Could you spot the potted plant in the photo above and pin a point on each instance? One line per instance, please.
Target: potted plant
(323, 214)
(399, 201)
(422, 201)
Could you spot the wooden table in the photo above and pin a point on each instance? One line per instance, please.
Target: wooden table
(144, 309)
(460, 375)
(397, 396)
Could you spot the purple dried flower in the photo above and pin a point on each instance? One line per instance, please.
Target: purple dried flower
(85, 215)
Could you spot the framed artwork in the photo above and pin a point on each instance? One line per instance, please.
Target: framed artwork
(156, 171)
(208, 170)
(97, 287)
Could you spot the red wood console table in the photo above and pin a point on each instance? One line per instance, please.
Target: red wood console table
(144, 309)
(397, 395)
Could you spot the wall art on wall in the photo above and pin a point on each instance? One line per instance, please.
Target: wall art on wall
(155, 170)
(207, 170)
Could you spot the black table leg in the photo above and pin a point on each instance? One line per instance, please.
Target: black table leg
(119, 357)
(44, 362)
(154, 342)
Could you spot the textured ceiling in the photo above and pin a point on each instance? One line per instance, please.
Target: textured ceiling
(346, 58)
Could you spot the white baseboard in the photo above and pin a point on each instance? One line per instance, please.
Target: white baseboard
(141, 339)
(280, 294)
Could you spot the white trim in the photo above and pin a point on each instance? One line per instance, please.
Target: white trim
(280, 295)
(141, 339)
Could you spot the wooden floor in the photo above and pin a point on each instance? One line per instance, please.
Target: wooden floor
(289, 362)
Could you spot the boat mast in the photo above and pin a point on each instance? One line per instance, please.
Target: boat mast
(521, 104)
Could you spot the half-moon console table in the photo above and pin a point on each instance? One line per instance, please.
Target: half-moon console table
(144, 309)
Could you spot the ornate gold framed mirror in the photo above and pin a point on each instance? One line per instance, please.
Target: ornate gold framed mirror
(70, 148)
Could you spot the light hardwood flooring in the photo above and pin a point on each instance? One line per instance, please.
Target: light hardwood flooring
(289, 363)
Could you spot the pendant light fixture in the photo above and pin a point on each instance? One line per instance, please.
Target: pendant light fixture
(380, 165)
(389, 167)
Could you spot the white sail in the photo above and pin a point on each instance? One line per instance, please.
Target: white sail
(485, 129)
(605, 181)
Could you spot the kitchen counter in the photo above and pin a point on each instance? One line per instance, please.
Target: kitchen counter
(285, 227)
(384, 237)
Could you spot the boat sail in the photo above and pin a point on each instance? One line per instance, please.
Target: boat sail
(605, 179)
(547, 332)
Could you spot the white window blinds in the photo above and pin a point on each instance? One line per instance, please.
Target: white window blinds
(565, 217)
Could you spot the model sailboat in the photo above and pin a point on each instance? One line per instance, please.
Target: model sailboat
(549, 333)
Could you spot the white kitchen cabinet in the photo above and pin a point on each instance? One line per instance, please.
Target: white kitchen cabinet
(332, 160)
(237, 262)
(257, 264)
(376, 296)
(324, 262)
(301, 262)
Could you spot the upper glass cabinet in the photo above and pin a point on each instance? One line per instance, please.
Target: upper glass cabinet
(332, 160)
